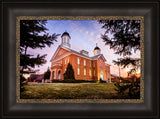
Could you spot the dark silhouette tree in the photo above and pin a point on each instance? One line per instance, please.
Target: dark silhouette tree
(33, 35)
(69, 73)
(47, 74)
(125, 41)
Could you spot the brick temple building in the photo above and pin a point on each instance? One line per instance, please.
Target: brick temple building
(85, 67)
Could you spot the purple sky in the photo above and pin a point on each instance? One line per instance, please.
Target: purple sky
(84, 36)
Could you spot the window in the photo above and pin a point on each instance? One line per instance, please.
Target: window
(85, 72)
(89, 63)
(78, 61)
(101, 63)
(65, 61)
(78, 71)
(84, 62)
(64, 39)
(90, 72)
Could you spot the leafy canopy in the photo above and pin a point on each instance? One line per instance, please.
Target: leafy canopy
(125, 41)
(33, 35)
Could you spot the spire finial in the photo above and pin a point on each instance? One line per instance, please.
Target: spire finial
(96, 44)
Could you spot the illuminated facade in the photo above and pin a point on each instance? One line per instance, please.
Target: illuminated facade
(85, 67)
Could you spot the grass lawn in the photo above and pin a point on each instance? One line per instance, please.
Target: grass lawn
(70, 91)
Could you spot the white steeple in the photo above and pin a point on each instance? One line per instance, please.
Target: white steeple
(66, 39)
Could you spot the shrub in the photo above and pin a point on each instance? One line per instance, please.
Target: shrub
(100, 81)
(134, 88)
(76, 81)
(22, 79)
(69, 81)
(69, 73)
(47, 74)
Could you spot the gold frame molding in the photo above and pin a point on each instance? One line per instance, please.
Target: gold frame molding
(18, 100)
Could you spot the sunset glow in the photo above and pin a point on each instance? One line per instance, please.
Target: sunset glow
(84, 36)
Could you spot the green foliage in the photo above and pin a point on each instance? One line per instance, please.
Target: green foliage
(72, 81)
(121, 88)
(100, 81)
(47, 74)
(69, 81)
(69, 74)
(133, 88)
(108, 79)
(126, 39)
(33, 35)
(22, 79)
(124, 62)
(28, 62)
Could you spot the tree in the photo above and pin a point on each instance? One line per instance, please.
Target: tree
(125, 41)
(33, 35)
(69, 73)
(47, 74)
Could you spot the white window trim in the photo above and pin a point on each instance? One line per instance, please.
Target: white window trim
(78, 60)
(84, 62)
(78, 71)
(85, 72)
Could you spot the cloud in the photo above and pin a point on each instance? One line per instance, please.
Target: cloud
(86, 32)
(92, 33)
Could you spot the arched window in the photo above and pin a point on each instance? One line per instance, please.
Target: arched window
(59, 74)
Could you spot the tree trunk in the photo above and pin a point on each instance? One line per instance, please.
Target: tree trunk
(25, 51)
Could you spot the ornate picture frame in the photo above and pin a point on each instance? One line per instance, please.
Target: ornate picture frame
(12, 106)
(19, 100)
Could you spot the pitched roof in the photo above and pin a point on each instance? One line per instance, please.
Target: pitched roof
(77, 53)
(96, 56)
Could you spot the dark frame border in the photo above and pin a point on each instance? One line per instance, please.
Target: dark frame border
(151, 74)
